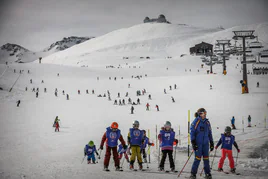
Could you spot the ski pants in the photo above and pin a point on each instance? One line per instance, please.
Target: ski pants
(203, 150)
(143, 151)
(91, 156)
(164, 156)
(135, 151)
(223, 156)
(108, 155)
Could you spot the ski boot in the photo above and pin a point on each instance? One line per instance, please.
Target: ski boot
(208, 176)
(89, 161)
(140, 166)
(93, 162)
(131, 167)
(193, 176)
(117, 168)
(220, 170)
(172, 169)
(232, 170)
(161, 169)
(106, 168)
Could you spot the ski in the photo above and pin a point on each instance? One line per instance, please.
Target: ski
(169, 171)
(106, 170)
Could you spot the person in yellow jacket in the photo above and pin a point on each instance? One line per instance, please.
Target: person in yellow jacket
(135, 140)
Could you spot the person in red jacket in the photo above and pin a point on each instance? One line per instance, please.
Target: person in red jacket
(111, 137)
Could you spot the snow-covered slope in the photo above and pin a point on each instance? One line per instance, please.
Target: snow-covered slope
(14, 53)
(153, 40)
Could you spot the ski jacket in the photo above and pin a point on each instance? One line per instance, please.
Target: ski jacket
(135, 137)
(166, 139)
(145, 143)
(89, 150)
(233, 120)
(111, 138)
(201, 131)
(227, 142)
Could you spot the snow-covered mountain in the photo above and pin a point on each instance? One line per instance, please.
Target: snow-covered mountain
(15, 53)
(157, 40)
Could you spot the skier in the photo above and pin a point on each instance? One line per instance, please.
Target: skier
(258, 84)
(128, 85)
(56, 94)
(157, 107)
(233, 123)
(166, 139)
(18, 103)
(111, 137)
(121, 151)
(63, 92)
(165, 91)
(249, 121)
(115, 102)
(123, 102)
(170, 87)
(129, 101)
(120, 103)
(149, 97)
(28, 71)
(144, 145)
(56, 124)
(87, 91)
(226, 141)
(42, 81)
(132, 110)
(173, 100)
(138, 101)
(33, 90)
(147, 107)
(78, 91)
(126, 94)
(67, 96)
(135, 140)
(93, 91)
(58, 74)
(14, 70)
(211, 87)
(26, 88)
(36, 94)
(118, 95)
(45, 90)
(37, 89)
(201, 137)
(175, 86)
(89, 150)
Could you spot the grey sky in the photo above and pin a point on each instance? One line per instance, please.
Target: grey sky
(35, 24)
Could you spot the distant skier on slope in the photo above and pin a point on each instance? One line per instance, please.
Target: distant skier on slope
(226, 141)
(89, 150)
(56, 124)
(233, 122)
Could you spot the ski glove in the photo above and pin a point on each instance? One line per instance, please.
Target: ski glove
(176, 141)
(125, 147)
(238, 150)
(211, 146)
(101, 147)
(195, 147)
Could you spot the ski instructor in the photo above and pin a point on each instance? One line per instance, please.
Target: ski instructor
(202, 142)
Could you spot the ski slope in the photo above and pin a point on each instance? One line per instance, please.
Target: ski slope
(30, 148)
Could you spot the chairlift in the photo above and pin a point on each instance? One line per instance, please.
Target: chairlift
(264, 54)
(255, 44)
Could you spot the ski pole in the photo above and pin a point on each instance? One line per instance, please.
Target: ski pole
(186, 163)
(175, 152)
(213, 159)
(236, 159)
(158, 158)
(123, 161)
(100, 153)
(83, 159)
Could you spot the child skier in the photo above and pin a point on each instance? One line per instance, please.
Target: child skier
(249, 121)
(233, 123)
(166, 139)
(144, 145)
(226, 141)
(135, 140)
(121, 151)
(56, 124)
(89, 150)
(111, 137)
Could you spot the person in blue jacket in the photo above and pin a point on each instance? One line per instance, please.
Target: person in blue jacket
(202, 141)
(226, 141)
(144, 145)
(89, 150)
(233, 122)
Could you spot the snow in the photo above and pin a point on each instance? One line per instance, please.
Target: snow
(30, 148)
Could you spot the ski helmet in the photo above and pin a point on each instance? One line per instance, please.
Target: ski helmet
(167, 124)
(91, 143)
(114, 125)
(228, 129)
(136, 124)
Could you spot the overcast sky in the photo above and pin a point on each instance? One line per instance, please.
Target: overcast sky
(35, 24)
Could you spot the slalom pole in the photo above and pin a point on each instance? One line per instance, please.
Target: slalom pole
(158, 158)
(186, 163)
(149, 150)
